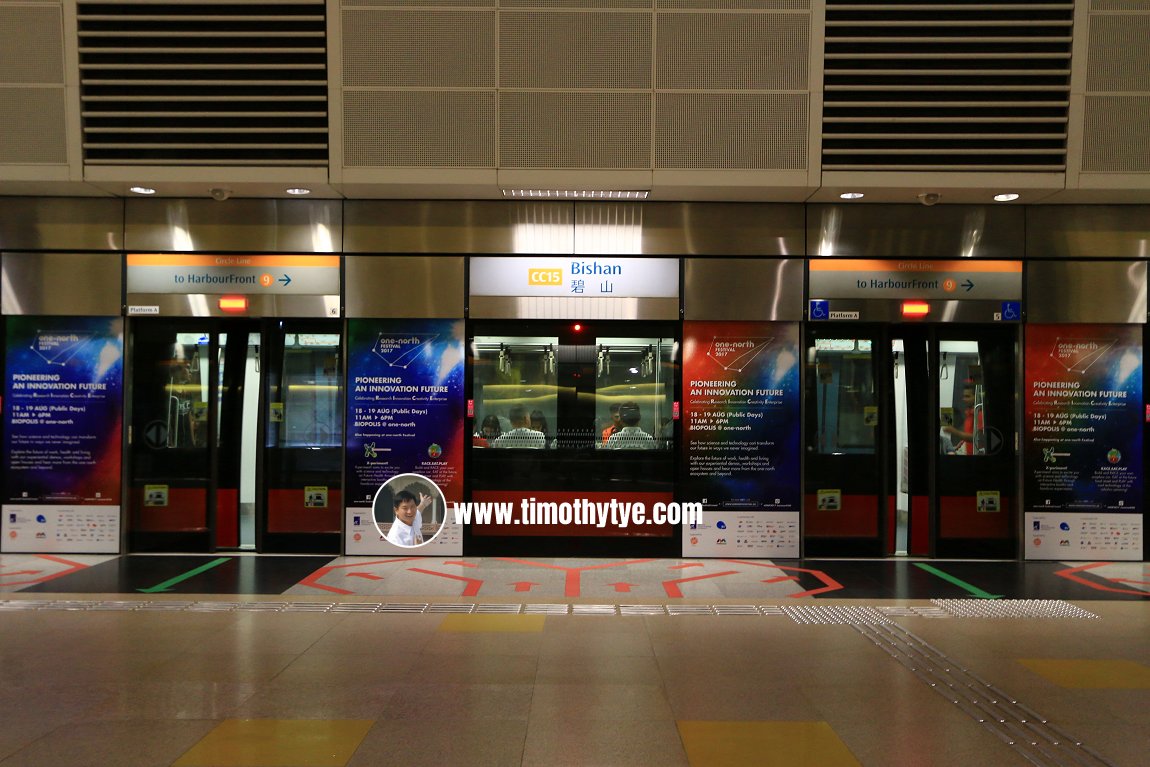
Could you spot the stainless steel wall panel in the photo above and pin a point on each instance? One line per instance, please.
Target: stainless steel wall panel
(1086, 291)
(458, 227)
(50, 223)
(1088, 231)
(916, 231)
(723, 229)
(80, 284)
(573, 308)
(743, 289)
(404, 286)
(252, 226)
(144, 305)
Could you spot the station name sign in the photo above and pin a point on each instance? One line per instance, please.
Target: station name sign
(575, 276)
(177, 273)
(954, 280)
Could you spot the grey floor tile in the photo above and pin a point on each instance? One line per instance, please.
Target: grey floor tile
(589, 743)
(436, 701)
(112, 744)
(460, 743)
(601, 702)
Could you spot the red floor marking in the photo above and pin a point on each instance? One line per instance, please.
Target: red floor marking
(681, 567)
(1071, 574)
(781, 578)
(462, 564)
(72, 568)
(313, 579)
(523, 585)
(473, 585)
(368, 576)
(623, 588)
(672, 587)
(831, 583)
(573, 585)
(1131, 580)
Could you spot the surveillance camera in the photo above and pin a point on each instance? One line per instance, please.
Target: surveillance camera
(219, 194)
(929, 198)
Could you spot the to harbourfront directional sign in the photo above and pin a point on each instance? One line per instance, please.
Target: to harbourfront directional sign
(181, 273)
(954, 280)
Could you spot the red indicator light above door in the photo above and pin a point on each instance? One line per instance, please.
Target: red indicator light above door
(915, 308)
(234, 303)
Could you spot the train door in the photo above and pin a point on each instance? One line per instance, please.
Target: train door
(234, 435)
(910, 440)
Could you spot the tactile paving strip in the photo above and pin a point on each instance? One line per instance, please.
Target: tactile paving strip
(1013, 608)
(1017, 725)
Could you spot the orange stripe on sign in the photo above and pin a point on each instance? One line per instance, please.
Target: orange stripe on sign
(182, 259)
(910, 266)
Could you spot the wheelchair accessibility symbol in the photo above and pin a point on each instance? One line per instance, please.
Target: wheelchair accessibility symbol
(820, 310)
(1011, 312)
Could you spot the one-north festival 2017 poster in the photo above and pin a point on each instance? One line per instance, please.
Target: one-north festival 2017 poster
(741, 436)
(405, 415)
(1083, 450)
(63, 420)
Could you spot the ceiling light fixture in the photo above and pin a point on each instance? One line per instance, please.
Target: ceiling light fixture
(1010, 197)
(141, 190)
(579, 194)
(298, 191)
(852, 195)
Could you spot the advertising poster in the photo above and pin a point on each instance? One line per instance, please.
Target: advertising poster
(63, 421)
(1083, 535)
(405, 414)
(742, 432)
(1083, 428)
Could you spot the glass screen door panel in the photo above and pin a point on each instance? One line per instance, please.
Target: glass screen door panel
(170, 461)
(303, 443)
(569, 410)
(976, 481)
(843, 436)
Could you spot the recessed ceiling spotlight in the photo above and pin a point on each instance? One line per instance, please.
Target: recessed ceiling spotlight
(1011, 197)
(298, 190)
(852, 195)
(141, 190)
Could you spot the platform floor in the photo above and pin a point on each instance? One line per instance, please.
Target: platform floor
(276, 661)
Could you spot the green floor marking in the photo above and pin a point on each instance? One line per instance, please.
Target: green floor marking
(165, 586)
(974, 590)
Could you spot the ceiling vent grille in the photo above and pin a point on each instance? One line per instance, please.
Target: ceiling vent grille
(947, 86)
(230, 82)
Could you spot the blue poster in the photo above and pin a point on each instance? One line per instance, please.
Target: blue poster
(405, 409)
(63, 420)
(741, 405)
(1084, 418)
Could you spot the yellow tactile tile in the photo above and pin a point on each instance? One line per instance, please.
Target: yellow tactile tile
(278, 743)
(504, 623)
(711, 744)
(1092, 674)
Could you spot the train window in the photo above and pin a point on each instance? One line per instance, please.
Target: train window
(844, 395)
(634, 392)
(311, 413)
(962, 417)
(516, 392)
(187, 391)
(520, 403)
